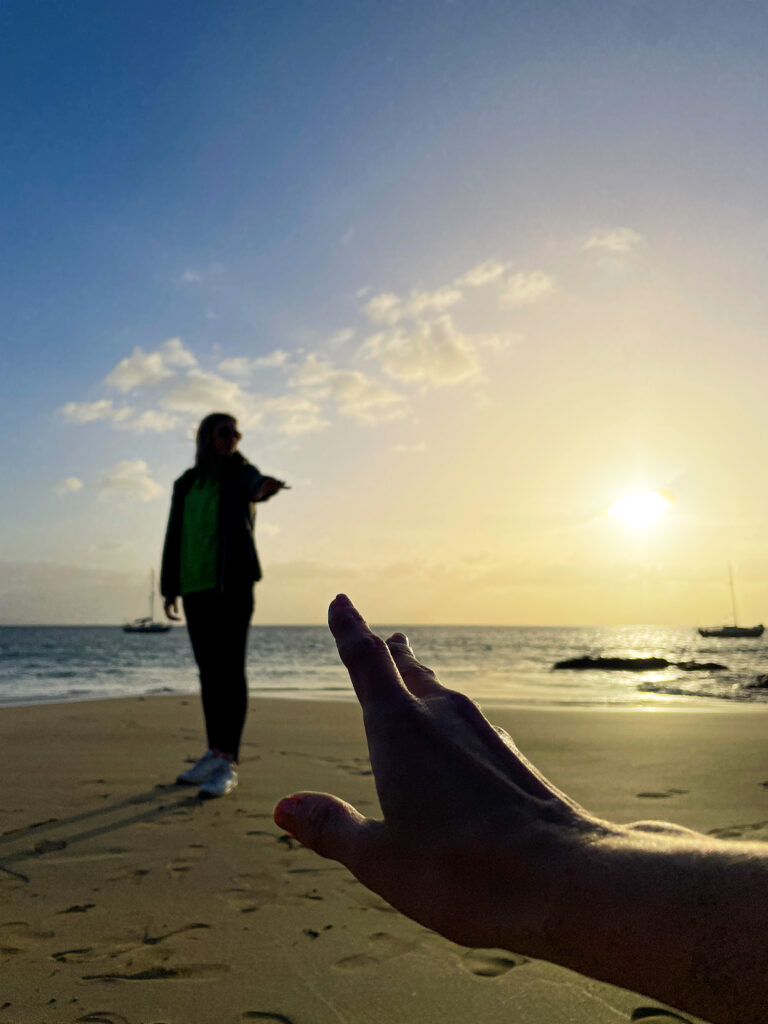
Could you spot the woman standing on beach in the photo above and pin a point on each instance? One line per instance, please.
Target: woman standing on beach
(210, 560)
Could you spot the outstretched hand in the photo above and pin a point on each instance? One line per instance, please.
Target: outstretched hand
(474, 842)
(270, 485)
(477, 845)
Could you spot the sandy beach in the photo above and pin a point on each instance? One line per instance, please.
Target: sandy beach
(125, 900)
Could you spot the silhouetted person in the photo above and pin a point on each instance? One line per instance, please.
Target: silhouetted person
(210, 560)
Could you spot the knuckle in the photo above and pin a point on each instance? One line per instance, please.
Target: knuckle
(461, 703)
(414, 669)
(365, 647)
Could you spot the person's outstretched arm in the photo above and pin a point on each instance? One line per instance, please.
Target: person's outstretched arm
(478, 846)
(269, 485)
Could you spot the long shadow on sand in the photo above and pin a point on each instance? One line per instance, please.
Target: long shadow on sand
(157, 807)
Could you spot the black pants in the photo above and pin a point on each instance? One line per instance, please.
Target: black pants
(218, 628)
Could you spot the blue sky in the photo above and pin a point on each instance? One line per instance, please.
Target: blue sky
(465, 271)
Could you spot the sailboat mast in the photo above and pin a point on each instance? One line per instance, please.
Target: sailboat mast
(733, 594)
(152, 595)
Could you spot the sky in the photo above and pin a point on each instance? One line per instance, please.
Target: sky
(467, 273)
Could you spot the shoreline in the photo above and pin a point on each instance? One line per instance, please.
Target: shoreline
(704, 705)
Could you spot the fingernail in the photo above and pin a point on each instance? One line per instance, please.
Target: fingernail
(287, 807)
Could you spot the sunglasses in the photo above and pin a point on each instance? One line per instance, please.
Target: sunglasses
(228, 432)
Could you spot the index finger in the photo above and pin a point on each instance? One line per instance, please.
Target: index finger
(365, 655)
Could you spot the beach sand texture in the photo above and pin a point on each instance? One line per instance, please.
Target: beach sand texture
(125, 900)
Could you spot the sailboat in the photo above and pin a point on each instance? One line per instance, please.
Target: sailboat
(148, 624)
(734, 630)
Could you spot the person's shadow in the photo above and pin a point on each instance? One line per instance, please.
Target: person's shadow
(154, 804)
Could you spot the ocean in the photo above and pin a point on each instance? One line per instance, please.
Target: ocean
(495, 665)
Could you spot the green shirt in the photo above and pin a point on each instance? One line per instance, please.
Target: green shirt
(200, 538)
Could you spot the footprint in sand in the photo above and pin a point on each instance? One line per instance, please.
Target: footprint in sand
(655, 1015)
(251, 891)
(75, 956)
(102, 1017)
(381, 946)
(154, 940)
(136, 875)
(386, 946)
(367, 900)
(358, 962)
(357, 766)
(245, 900)
(179, 866)
(661, 794)
(737, 831)
(486, 963)
(271, 1018)
(184, 972)
(18, 936)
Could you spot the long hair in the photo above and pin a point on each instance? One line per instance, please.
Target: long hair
(207, 460)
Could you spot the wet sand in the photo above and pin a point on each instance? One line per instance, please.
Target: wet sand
(126, 899)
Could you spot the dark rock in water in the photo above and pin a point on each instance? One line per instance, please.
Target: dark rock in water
(636, 664)
(615, 664)
(700, 666)
(757, 683)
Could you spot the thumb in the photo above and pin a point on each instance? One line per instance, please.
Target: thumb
(327, 825)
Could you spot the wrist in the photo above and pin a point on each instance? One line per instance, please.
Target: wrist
(554, 896)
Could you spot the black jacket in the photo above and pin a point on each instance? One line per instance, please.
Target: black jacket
(238, 560)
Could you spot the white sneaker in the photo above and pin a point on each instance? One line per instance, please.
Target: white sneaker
(222, 780)
(200, 770)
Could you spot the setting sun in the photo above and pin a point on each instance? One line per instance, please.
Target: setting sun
(640, 510)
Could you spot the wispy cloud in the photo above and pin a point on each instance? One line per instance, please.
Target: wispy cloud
(525, 289)
(384, 308)
(352, 391)
(242, 366)
(416, 340)
(130, 479)
(389, 308)
(293, 415)
(342, 337)
(239, 367)
(69, 485)
(431, 352)
(278, 357)
(617, 240)
(151, 421)
(289, 414)
(143, 369)
(483, 273)
(90, 412)
(191, 276)
(200, 391)
(123, 417)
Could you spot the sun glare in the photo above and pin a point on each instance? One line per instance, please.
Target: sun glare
(640, 510)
